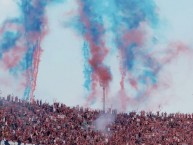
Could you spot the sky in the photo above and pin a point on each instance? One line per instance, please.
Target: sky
(61, 78)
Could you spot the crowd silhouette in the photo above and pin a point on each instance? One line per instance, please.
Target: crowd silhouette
(44, 124)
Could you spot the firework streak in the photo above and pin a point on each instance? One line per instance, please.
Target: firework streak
(21, 37)
(130, 26)
(126, 27)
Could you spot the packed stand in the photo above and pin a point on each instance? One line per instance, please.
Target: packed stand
(41, 123)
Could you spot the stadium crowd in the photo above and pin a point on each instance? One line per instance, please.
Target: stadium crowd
(44, 124)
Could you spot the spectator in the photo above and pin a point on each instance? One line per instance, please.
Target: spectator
(41, 123)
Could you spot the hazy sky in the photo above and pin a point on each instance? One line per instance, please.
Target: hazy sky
(60, 72)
